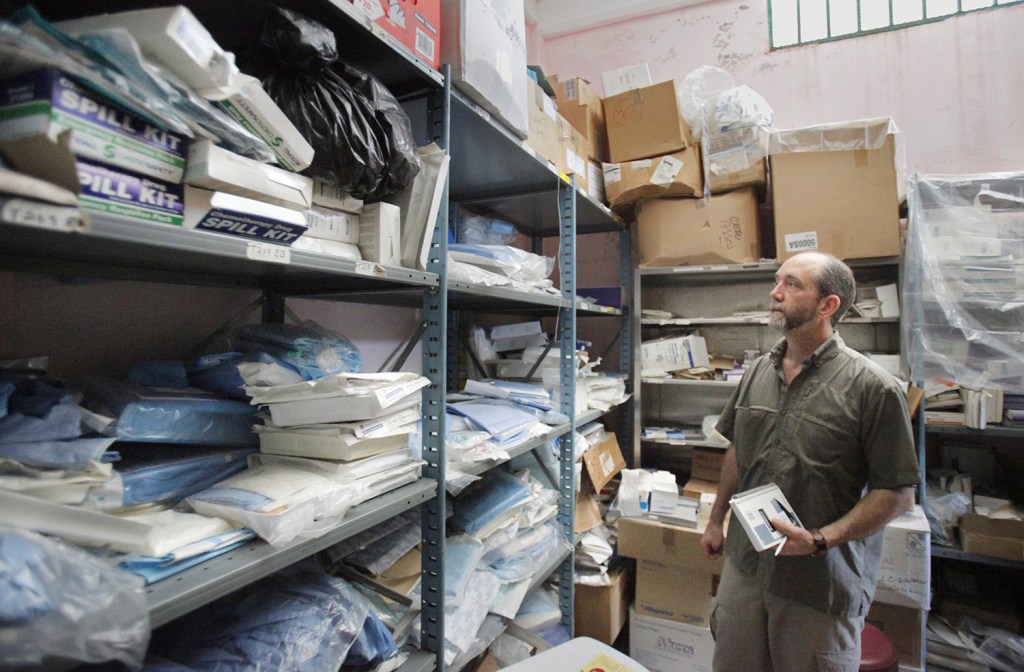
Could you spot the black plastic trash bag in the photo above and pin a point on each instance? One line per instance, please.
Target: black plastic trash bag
(362, 137)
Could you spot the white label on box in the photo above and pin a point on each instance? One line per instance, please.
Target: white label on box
(549, 108)
(642, 164)
(801, 242)
(667, 169)
(612, 173)
(370, 268)
(607, 463)
(576, 163)
(572, 90)
(266, 252)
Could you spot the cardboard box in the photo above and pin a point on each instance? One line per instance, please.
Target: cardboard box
(981, 596)
(675, 593)
(841, 201)
(996, 537)
(584, 110)
(680, 231)
(904, 578)
(696, 487)
(595, 180)
(253, 108)
(217, 212)
(409, 25)
(674, 353)
(600, 612)
(217, 169)
(678, 174)
(48, 101)
(171, 36)
(669, 544)
(707, 463)
(380, 233)
(118, 192)
(485, 44)
(603, 461)
(625, 78)
(904, 626)
(554, 139)
(645, 122)
(736, 159)
(662, 645)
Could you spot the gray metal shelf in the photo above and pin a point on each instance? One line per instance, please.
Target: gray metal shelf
(200, 585)
(480, 298)
(419, 661)
(682, 382)
(956, 554)
(123, 248)
(494, 173)
(992, 431)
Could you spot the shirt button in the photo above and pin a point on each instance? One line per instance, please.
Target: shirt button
(782, 412)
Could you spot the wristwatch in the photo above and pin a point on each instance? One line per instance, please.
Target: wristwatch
(821, 548)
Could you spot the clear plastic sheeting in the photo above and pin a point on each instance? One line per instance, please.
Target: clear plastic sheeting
(963, 280)
(62, 604)
(834, 137)
(738, 107)
(697, 89)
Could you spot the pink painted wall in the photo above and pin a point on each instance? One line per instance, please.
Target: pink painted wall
(954, 87)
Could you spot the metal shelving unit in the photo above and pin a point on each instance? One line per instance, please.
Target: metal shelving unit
(215, 578)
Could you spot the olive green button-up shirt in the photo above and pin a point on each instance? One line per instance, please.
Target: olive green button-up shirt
(841, 426)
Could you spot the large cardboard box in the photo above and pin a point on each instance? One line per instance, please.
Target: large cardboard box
(696, 487)
(485, 44)
(904, 626)
(837, 188)
(554, 139)
(603, 461)
(995, 537)
(412, 25)
(685, 231)
(662, 645)
(645, 122)
(584, 110)
(669, 544)
(706, 463)
(600, 612)
(669, 591)
(678, 174)
(904, 578)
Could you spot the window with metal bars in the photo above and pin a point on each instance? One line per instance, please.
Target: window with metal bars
(795, 22)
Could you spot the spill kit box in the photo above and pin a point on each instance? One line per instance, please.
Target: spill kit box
(49, 101)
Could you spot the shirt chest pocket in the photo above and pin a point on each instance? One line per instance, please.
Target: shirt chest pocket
(827, 425)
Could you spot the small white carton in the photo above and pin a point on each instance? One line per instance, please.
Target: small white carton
(904, 578)
(218, 169)
(218, 212)
(380, 234)
(334, 225)
(173, 37)
(246, 101)
(626, 78)
(662, 645)
(330, 195)
(674, 354)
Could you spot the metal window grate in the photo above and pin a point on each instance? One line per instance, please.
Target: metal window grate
(792, 23)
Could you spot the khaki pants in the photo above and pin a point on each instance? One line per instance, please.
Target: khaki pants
(758, 632)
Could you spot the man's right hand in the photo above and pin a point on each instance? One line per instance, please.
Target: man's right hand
(713, 541)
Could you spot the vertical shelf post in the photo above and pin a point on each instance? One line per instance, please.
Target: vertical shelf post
(626, 304)
(435, 363)
(567, 375)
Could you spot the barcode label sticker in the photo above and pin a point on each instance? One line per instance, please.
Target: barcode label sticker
(801, 242)
(612, 173)
(667, 169)
(424, 45)
(265, 252)
(549, 108)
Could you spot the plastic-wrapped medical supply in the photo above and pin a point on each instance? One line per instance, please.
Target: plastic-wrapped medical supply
(300, 619)
(477, 230)
(699, 87)
(508, 261)
(279, 503)
(308, 347)
(362, 137)
(963, 280)
(738, 107)
(157, 473)
(60, 603)
(186, 415)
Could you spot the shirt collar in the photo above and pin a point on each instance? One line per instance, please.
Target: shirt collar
(825, 351)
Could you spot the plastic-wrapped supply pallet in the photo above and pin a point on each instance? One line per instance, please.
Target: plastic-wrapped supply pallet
(963, 278)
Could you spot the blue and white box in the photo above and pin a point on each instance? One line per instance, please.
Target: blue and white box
(114, 192)
(232, 215)
(49, 101)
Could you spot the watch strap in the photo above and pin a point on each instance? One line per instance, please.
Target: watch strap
(821, 546)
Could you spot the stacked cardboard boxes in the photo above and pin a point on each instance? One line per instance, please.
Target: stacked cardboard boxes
(675, 587)
(555, 139)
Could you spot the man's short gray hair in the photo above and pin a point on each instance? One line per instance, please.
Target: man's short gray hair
(835, 277)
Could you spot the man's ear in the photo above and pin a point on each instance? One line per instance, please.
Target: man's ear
(829, 306)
